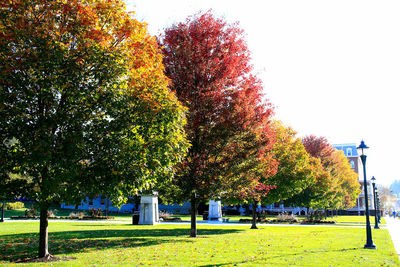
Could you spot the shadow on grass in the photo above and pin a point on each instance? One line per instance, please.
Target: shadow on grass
(235, 263)
(24, 246)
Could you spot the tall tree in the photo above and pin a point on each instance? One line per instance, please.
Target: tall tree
(84, 97)
(395, 187)
(209, 66)
(294, 172)
(346, 187)
(387, 198)
(335, 185)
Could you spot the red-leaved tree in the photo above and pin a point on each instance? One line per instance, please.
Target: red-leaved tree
(209, 66)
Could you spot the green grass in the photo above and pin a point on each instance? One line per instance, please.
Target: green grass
(217, 245)
(354, 219)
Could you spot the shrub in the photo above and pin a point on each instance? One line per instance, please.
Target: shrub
(31, 212)
(284, 217)
(52, 213)
(76, 215)
(95, 212)
(315, 216)
(164, 215)
(14, 205)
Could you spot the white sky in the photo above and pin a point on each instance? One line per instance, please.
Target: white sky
(330, 68)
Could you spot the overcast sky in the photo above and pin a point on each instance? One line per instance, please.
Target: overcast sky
(330, 68)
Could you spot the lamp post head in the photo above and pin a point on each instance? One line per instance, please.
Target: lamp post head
(373, 180)
(362, 147)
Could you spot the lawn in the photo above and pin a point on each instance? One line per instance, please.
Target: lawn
(354, 219)
(217, 245)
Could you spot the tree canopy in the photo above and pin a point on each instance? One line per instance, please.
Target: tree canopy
(294, 171)
(336, 184)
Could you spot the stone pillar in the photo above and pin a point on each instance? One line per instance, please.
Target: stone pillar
(214, 211)
(149, 209)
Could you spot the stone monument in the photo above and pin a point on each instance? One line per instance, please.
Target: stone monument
(149, 209)
(214, 211)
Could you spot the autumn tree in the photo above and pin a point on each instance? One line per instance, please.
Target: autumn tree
(84, 95)
(335, 185)
(294, 172)
(347, 188)
(208, 63)
(250, 181)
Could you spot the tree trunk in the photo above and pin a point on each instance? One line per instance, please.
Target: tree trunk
(193, 226)
(2, 212)
(254, 221)
(43, 234)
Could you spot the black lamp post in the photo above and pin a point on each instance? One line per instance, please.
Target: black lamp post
(374, 190)
(369, 244)
(378, 201)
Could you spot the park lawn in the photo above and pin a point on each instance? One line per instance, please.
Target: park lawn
(224, 245)
(354, 219)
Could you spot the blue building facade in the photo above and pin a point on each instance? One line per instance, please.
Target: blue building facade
(102, 203)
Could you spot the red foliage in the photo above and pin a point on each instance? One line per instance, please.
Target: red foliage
(208, 63)
(257, 192)
(317, 147)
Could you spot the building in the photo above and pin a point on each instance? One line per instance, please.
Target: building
(104, 204)
(350, 151)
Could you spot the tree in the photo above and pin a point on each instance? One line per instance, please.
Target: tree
(208, 63)
(387, 198)
(84, 96)
(250, 181)
(294, 172)
(335, 185)
(395, 187)
(346, 188)
(315, 194)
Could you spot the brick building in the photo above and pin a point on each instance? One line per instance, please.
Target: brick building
(350, 151)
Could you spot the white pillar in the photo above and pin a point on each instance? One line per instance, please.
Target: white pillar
(149, 210)
(214, 211)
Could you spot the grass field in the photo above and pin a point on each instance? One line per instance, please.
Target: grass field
(219, 245)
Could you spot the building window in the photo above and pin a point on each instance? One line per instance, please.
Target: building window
(348, 152)
(352, 164)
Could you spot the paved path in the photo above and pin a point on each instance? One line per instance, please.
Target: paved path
(394, 229)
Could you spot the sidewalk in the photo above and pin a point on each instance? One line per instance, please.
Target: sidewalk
(393, 226)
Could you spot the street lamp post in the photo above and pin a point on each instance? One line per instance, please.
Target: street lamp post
(374, 190)
(378, 201)
(369, 244)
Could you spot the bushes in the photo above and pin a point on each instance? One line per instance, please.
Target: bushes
(284, 217)
(76, 215)
(164, 215)
(95, 212)
(31, 213)
(14, 205)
